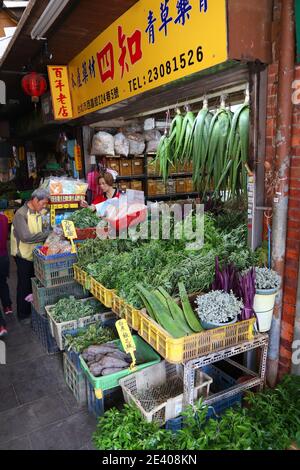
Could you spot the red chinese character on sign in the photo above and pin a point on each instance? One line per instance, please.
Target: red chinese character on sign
(106, 62)
(63, 111)
(59, 84)
(134, 47)
(61, 98)
(121, 39)
(58, 72)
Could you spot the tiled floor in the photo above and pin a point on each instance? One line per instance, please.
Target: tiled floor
(37, 409)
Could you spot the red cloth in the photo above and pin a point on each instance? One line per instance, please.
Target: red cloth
(3, 234)
(103, 197)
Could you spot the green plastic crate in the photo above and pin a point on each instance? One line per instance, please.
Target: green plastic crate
(143, 352)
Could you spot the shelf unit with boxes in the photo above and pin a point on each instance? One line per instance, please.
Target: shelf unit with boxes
(130, 170)
(140, 173)
(178, 185)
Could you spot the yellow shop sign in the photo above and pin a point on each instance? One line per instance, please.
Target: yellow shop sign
(155, 42)
(60, 91)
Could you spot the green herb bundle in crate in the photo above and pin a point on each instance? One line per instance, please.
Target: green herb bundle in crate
(75, 341)
(71, 313)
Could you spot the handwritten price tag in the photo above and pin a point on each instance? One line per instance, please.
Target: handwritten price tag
(126, 340)
(70, 232)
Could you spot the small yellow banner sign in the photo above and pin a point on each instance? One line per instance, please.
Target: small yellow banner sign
(126, 339)
(77, 157)
(60, 91)
(153, 43)
(70, 232)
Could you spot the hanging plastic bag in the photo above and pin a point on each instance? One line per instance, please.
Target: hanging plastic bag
(121, 144)
(103, 144)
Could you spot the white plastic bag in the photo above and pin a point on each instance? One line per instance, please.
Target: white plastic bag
(121, 144)
(103, 144)
(136, 143)
(153, 134)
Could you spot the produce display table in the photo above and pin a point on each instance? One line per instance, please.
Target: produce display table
(255, 379)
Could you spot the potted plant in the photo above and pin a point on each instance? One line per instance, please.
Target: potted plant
(267, 283)
(218, 308)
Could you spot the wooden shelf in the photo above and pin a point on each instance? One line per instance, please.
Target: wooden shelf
(152, 177)
(128, 178)
(173, 196)
(175, 175)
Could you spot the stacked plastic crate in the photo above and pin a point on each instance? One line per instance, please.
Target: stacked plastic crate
(50, 285)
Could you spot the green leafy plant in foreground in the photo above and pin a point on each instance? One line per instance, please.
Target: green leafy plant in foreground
(270, 422)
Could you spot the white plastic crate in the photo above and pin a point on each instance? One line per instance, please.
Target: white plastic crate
(166, 402)
(57, 328)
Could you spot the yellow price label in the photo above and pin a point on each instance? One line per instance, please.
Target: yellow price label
(126, 340)
(98, 393)
(70, 232)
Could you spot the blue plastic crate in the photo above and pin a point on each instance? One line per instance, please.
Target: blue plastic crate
(98, 406)
(40, 326)
(75, 380)
(221, 381)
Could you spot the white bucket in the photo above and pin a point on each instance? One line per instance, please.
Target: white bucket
(264, 320)
(263, 307)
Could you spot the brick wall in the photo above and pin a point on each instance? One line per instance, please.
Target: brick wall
(292, 247)
(290, 281)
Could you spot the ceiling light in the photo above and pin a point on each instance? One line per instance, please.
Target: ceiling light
(51, 13)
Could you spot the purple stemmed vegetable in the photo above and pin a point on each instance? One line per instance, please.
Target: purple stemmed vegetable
(247, 293)
(229, 280)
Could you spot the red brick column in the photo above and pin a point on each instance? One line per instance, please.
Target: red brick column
(271, 126)
(292, 247)
(290, 281)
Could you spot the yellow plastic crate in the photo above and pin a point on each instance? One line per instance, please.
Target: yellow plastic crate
(105, 296)
(133, 316)
(180, 350)
(82, 277)
(118, 306)
(124, 310)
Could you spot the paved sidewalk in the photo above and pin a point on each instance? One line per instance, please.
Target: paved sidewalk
(37, 409)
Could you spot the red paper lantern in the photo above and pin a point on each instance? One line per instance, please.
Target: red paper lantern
(34, 85)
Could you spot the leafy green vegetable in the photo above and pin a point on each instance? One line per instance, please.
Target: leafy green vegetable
(84, 218)
(93, 334)
(72, 309)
